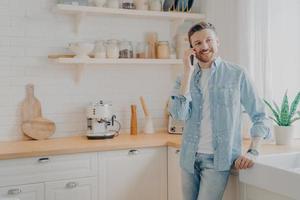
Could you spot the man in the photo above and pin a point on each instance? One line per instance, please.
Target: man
(209, 97)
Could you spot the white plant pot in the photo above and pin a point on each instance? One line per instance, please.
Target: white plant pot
(283, 134)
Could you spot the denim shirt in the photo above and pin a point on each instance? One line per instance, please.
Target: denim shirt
(229, 89)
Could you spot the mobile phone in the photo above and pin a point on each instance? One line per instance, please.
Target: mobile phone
(192, 60)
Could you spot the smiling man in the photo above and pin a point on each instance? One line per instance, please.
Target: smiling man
(209, 98)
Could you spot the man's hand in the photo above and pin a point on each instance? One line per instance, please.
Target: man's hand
(186, 60)
(243, 162)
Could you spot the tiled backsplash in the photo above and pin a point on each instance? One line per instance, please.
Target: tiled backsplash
(30, 30)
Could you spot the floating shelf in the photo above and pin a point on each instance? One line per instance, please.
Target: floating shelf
(91, 10)
(79, 12)
(89, 61)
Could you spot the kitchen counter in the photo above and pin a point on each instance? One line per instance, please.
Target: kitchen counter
(80, 144)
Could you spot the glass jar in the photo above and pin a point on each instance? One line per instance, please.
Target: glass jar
(141, 4)
(112, 49)
(163, 50)
(113, 3)
(155, 5)
(100, 49)
(141, 50)
(126, 49)
(128, 4)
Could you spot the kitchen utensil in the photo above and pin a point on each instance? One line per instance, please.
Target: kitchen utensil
(81, 49)
(168, 5)
(133, 122)
(151, 39)
(31, 106)
(184, 5)
(33, 124)
(39, 128)
(148, 125)
(101, 122)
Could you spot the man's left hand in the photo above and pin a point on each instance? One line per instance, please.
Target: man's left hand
(243, 162)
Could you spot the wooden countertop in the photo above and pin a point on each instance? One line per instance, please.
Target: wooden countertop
(80, 144)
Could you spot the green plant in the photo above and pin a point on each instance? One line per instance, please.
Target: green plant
(284, 116)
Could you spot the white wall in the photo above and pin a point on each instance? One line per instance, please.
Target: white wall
(285, 50)
(29, 31)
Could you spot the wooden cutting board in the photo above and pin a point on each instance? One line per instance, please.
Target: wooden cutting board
(34, 126)
(39, 128)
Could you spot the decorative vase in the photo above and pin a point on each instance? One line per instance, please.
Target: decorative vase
(283, 134)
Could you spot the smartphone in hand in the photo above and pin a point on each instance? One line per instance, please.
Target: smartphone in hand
(192, 60)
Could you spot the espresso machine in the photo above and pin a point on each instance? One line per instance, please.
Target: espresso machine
(101, 123)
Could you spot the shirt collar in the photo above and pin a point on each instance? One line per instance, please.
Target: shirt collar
(216, 63)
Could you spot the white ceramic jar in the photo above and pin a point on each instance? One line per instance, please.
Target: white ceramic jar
(100, 49)
(141, 4)
(113, 3)
(112, 49)
(155, 5)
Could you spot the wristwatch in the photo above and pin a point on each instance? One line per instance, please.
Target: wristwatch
(253, 152)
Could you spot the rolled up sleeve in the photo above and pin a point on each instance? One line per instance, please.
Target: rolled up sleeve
(255, 108)
(179, 105)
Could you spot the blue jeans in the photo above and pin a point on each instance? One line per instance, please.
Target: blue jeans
(206, 183)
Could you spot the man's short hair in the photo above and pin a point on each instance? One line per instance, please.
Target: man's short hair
(199, 27)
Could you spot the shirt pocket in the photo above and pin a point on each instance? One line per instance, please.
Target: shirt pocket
(227, 96)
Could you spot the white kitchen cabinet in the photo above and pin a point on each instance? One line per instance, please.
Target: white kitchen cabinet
(75, 189)
(232, 191)
(133, 174)
(48, 168)
(174, 175)
(250, 192)
(23, 192)
(174, 179)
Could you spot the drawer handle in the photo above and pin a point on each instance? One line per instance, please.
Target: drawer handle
(14, 191)
(71, 185)
(133, 152)
(43, 160)
(177, 151)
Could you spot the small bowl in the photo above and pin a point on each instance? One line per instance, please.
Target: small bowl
(81, 49)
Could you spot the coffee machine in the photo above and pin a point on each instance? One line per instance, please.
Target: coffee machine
(101, 123)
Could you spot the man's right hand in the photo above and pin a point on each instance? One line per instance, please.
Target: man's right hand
(188, 71)
(186, 60)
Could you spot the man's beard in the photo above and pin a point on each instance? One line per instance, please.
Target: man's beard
(205, 58)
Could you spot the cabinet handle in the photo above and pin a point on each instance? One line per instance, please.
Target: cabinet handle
(43, 160)
(133, 152)
(177, 151)
(14, 191)
(71, 185)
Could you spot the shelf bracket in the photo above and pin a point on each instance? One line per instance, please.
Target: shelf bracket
(78, 72)
(78, 20)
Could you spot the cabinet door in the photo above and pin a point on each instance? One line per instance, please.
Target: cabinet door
(232, 188)
(133, 174)
(23, 192)
(174, 175)
(75, 189)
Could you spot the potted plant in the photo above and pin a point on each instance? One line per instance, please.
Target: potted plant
(284, 117)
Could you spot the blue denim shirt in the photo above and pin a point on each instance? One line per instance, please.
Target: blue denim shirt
(229, 89)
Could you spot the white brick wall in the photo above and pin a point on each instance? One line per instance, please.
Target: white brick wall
(29, 31)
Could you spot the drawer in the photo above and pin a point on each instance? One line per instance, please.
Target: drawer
(41, 169)
(73, 189)
(23, 192)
